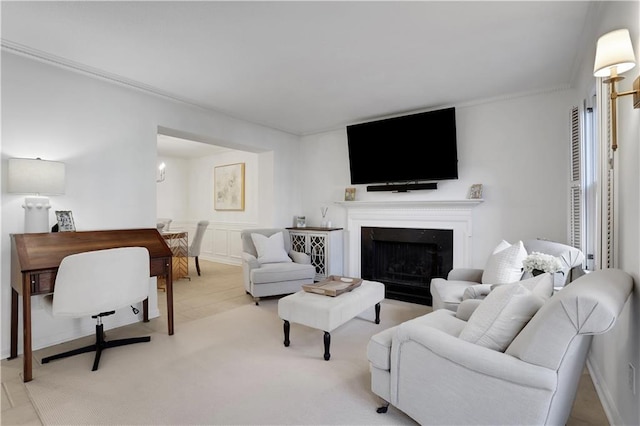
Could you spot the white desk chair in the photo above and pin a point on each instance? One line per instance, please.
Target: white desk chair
(95, 284)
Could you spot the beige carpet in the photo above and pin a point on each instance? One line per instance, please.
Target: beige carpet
(230, 368)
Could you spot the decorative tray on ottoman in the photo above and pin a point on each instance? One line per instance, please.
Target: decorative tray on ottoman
(334, 285)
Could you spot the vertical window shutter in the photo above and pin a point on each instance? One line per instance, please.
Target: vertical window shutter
(609, 216)
(575, 225)
(608, 196)
(575, 145)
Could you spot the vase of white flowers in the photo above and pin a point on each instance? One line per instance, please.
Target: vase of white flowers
(538, 263)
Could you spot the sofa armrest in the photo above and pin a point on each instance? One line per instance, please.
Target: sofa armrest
(466, 274)
(477, 291)
(456, 353)
(299, 257)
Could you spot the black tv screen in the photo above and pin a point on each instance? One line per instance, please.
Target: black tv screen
(410, 148)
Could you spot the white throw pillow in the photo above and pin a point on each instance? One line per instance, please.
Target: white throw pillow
(505, 311)
(505, 264)
(270, 249)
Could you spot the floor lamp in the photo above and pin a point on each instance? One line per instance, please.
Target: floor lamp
(36, 176)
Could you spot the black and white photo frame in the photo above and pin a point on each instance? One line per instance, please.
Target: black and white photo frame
(65, 221)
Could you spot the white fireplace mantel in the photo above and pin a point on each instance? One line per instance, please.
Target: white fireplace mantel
(436, 214)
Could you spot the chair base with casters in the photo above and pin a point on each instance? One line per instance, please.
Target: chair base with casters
(99, 345)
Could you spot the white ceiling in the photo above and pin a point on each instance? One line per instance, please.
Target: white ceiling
(307, 67)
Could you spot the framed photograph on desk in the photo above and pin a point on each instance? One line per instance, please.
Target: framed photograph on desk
(65, 221)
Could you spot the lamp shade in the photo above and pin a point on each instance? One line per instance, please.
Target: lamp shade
(35, 176)
(614, 49)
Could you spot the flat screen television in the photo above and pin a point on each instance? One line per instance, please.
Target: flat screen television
(412, 148)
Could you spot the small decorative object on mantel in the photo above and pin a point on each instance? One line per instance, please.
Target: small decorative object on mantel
(350, 194)
(333, 286)
(324, 211)
(301, 222)
(538, 263)
(475, 192)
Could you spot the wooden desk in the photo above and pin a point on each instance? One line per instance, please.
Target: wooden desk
(35, 259)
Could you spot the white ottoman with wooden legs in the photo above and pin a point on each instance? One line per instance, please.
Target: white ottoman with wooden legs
(328, 313)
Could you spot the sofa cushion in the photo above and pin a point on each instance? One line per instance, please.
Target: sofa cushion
(505, 311)
(282, 271)
(504, 264)
(270, 249)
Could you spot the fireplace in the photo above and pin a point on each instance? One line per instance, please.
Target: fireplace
(451, 215)
(405, 260)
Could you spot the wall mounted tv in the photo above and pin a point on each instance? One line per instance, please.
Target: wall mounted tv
(402, 151)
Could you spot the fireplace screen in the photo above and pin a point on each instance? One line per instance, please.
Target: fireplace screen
(406, 259)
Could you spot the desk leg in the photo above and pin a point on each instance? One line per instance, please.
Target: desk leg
(145, 310)
(26, 323)
(170, 299)
(14, 324)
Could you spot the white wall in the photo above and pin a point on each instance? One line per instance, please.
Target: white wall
(517, 148)
(612, 352)
(172, 200)
(107, 136)
(189, 182)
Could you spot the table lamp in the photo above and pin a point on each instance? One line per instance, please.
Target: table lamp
(36, 176)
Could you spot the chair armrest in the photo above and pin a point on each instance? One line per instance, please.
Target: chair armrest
(477, 291)
(250, 260)
(466, 274)
(460, 354)
(299, 257)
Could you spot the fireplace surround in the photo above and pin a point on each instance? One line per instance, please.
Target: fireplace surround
(454, 216)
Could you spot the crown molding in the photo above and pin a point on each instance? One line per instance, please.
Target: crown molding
(41, 56)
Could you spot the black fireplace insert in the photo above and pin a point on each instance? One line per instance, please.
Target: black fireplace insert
(406, 259)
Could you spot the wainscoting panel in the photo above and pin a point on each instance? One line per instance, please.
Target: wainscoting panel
(235, 244)
(221, 242)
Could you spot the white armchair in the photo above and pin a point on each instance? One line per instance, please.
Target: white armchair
(271, 267)
(426, 368)
(462, 283)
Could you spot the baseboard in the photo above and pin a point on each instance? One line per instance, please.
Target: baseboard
(220, 259)
(607, 401)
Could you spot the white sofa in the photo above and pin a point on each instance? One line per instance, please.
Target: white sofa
(426, 369)
(448, 293)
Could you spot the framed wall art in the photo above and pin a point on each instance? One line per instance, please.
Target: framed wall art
(228, 187)
(65, 221)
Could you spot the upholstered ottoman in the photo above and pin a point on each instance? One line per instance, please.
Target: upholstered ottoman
(328, 313)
